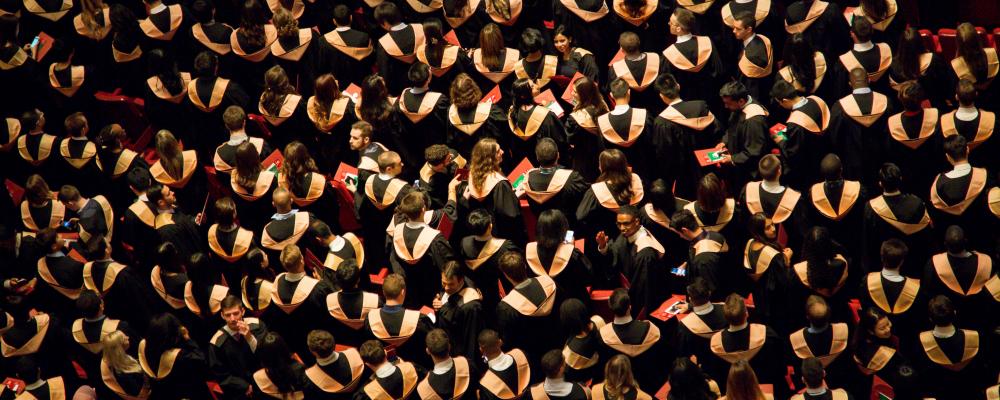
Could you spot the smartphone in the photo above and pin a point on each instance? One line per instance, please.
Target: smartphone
(35, 41)
(675, 308)
(569, 237)
(68, 224)
(462, 174)
(678, 271)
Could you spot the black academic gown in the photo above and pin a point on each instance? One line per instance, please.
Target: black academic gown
(304, 58)
(458, 382)
(818, 22)
(338, 379)
(903, 217)
(527, 127)
(598, 209)
(657, 223)
(565, 264)
(698, 68)
(214, 37)
(640, 74)
(122, 290)
(352, 58)
(962, 280)
(962, 201)
(682, 128)
(461, 315)
(163, 104)
(875, 62)
(527, 318)
(350, 307)
(586, 143)
(23, 78)
(423, 117)
(375, 207)
(584, 21)
(694, 333)
(755, 65)
(114, 166)
(60, 280)
(509, 383)
(707, 256)
(498, 198)
(760, 346)
(394, 52)
(900, 301)
(78, 166)
(190, 186)
(176, 372)
(209, 97)
(786, 209)
(43, 337)
(552, 189)
(139, 227)
(304, 302)
(436, 183)
(806, 142)
(829, 344)
(747, 140)
(181, 230)
(404, 329)
(401, 384)
(839, 206)
(231, 360)
(914, 144)
(640, 341)
(826, 280)
(639, 260)
(253, 204)
(857, 125)
(333, 132)
(767, 271)
(415, 251)
(467, 127)
(481, 260)
(955, 363)
(933, 74)
(630, 132)
(978, 133)
(279, 233)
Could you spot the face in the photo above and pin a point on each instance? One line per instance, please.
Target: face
(732, 104)
(769, 230)
(499, 154)
(168, 196)
(232, 316)
(627, 224)
(125, 343)
(357, 141)
(675, 28)
(451, 285)
(741, 32)
(883, 329)
(562, 43)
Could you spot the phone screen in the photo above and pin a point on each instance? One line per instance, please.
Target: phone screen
(569, 237)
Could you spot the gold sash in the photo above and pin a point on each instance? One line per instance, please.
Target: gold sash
(109, 379)
(301, 223)
(219, 48)
(156, 86)
(963, 71)
(369, 302)
(934, 352)
(327, 384)
(46, 275)
(764, 258)
(392, 49)
(976, 184)
(758, 335)
(295, 53)
(156, 278)
(891, 9)
(218, 293)
(535, 121)
(882, 209)
(525, 306)
(288, 107)
(637, 126)
(89, 151)
(697, 326)
(725, 215)
(906, 297)
(806, 121)
(647, 11)
(222, 166)
(76, 74)
(611, 339)
(850, 61)
(333, 261)
(496, 386)
(585, 15)
(752, 70)
(420, 246)
(510, 62)
(488, 250)
(302, 292)
(268, 387)
(559, 261)
(761, 11)
(556, 184)
(406, 328)
(789, 199)
(189, 160)
(375, 391)
(176, 16)
(679, 61)
(549, 65)
(469, 128)
(787, 74)
(987, 121)
(945, 272)
(459, 387)
(448, 58)
(851, 108)
(218, 92)
(94, 347)
(838, 344)
(357, 53)
(426, 106)
(607, 200)
(801, 270)
(165, 365)
(848, 197)
(107, 280)
(649, 74)
(815, 11)
(388, 199)
(56, 214)
(31, 346)
(270, 35)
(33, 7)
(878, 360)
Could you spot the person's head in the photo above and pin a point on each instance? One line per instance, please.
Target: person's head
(33, 120)
(741, 384)
(412, 206)
(164, 332)
(817, 311)
(734, 95)
(291, 259)
(76, 125)
(711, 193)
(784, 94)
(394, 289)
(513, 266)
(206, 65)
(861, 30)
(769, 167)
(452, 277)
(464, 93)
(390, 163)
(532, 41)
(744, 25)
(320, 343)
(687, 378)
(97, 248)
(630, 43)
(234, 118)
(372, 352)
(70, 196)
(574, 317)
(285, 22)
(491, 44)
(800, 55)
(954, 240)
(490, 344)
(614, 169)
(139, 180)
(620, 91)
(890, 177)
(941, 311)
(438, 345)
(911, 95)
(374, 104)
(858, 78)
(258, 266)
(348, 274)
(618, 378)
(547, 152)
(893, 253)
(662, 197)
(620, 303)
(113, 352)
(486, 158)
(419, 75)
(523, 93)
(298, 161)
(813, 373)
(553, 364)
(276, 358)
(956, 149)
(735, 310)
(699, 291)
(36, 190)
(27, 370)
(342, 15)
(89, 304)
(562, 40)
(831, 168)
(668, 88)
(48, 239)
(627, 220)
(169, 258)
(361, 135)
(232, 311)
(438, 156)
(966, 93)
(247, 165)
(281, 200)
(480, 222)
(110, 138)
(161, 195)
(684, 223)
(203, 10)
(874, 323)
(682, 22)
(551, 228)
(387, 15)
(588, 97)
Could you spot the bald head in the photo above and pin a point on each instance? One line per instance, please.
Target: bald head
(389, 163)
(831, 168)
(859, 78)
(281, 200)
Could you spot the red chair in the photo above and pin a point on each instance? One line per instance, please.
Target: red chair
(16, 192)
(949, 43)
(345, 201)
(215, 188)
(996, 38)
(930, 40)
(378, 278)
(258, 127)
(123, 110)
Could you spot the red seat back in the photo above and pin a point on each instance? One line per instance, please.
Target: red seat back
(123, 110)
(930, 41)
(258, 126)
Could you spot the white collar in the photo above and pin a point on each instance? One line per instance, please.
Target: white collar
(294, 276)
(99, 318)
(802, 102)
(703, 309)
(418, 90)
(83, 138)
(385, 177)
(337, 243)
(890, 194)
(143, 197)
(385, 370)
(749, 100)
(816, 392)
(685, 37)
(164, 210)
(622, 320)
(619, 109)
(959, 170)
(863, 47)
(892, 275)
(502, 362)
(749, 39)
(771, 187)
(637, 58)
(238, 137)
(967, 113)
(284, 216)
(443, 366)
(738, 328)
(944, 332)
(55, 254)
(37, 384)
(415, 225)
(159, 8)
(401, 26)
(864, 90)
(329, 360)
(635, 236)
(815, 329)
(557, 387)
(343, 28)
(676, 101)
(743, 1)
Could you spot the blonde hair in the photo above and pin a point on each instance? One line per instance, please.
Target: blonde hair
(113, 353)
(484, 162)
(618, 379)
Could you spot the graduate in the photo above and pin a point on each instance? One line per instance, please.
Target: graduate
(116, 162)
(818, 22)
(489, 189)
(836, 203)
(178, 169)
(683, 127)
(640, 340)
(88, 330)
(338, 249)
(639, 70)
(714, 209)
(874, 58)
(960, 274)
(508, 373)
(124, 296)
(368, 152)
(352, 59)
(638, 257)
(388, 380)
(779, 203)
(53, 388)
(618, 373)
(805, 68)
(582, 341)
(949, 354)
(441, 163)
(41, 337)
(298, 51)
(555, 386)
(210, 33)
(573, 60)
(857, 123)
(39, 210)
(585, 22)
(252, 186)
(164, 91)
(823, 271)
(228, 241)
(746, 137)
(460, 310)
(232, 354)
(174, 226)
(350, 305)
(655, 217)
(494, 63)
(280, 375)
(755, 344)
(529, 304)
(402, 329)
(34, 146)
(168, 278)
(706, 251)
(62, 276)
(336, 373)
(881, 14)
(444, 60)
(77, 153)
(896, 297)
(805, 138)
(957, 194)
(121, 374)
(615, 187)
(251, 43)
(976, 63)
(702, 320)
(467, 19)
(896, 214)
(913, 61)
(94, 215)
(975, 124)
(417, 247)
(480, 252)
(287, 227)
(421, 110)
(173, 362)
(211, 95)
(530, 122)
(813, 375)
(824, 341)
(301, 300)
(694, 61)
(646, 18)
(913, 142)
(766, 262)
(756, 56)
(554, 254)
(452, 377)
(470, 119)
(877, 351)
(224, 159)
(551, 187)
(584, 137)
(284, 108)
(627, 128)
(397, 47)
(376, 202)
(535, 66)
(256, 287)
(332, 114)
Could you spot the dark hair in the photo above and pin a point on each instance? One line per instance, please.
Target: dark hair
(513, 266)
(434, 42)
(37, 191)
(321, 343)
(203, 276)
(252, 20)
(812, 372)
(908, 51)
(819, 250)
(629, 210)
(205, 64)
(618, 88)
(747, 19)
(954, 239)
(634, 8)
(27, 369)
(341, 15)
(202, 10)
(699, 291)
(479, 220)
(551, 228)
(711, 193)
(348, 274)
(388, 13)
(661, 197)
(683, 219)
(615, 172)
(734, 91)
(688, 382)
(276, 88)
(800, 56)
(629, 42)
(892, 253)
(817, 311)
(862, 29)
(735, 309)
(769, 166)
(163, 333)
(372, 351)
(169, 258)
(966, 92)
(574, 316)
(89, 304)
(437, 342)
(970, 48)
(522, 93)
(831, 168)
(685, 18)
(277, 361)
(164, 68)
(619, 302)
(956, 147)
(667, 85)
(532, 41)
(756, 225)
(867, 320)
(782, 90)
(546, 152)
(590, 99)
(248, 166)
(890, 176)
(911, 95)
(375, 107)
(418, 73)
(552, 363)
(941, 311)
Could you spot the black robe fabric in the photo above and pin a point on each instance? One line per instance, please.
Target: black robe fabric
(436, 184)
(126, 298)
(829, 24)
(444, 383)
(230, 359)
(704, 84)
(535, 334)
(649, 279)
(953, 191)
(184, 233)
(574, 278)
(463, 320)
(392, 384)
(908, 209)
(206, 126)
(747, 140)
(770, 291)
(296, 324)
(422, 278)
(414, 347)
(486, 276)
(428, 130)
(675, 141)
(845, 230)
(691, 344)
(347, 69)
(803, 149)
(913, 319)
(494, 127)
(921, 163)
(376, 220)
(519, 148)
(565, 200)
(634, 333)
(967, 382)
(647, 98)
(187, 377)
(393, 69)
(768, 364)
(501, 203)
(639, 154)
(968, 305)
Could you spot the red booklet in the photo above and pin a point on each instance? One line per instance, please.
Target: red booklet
(44, 45)
(668, 309)
(493, 96)
(548, 100)
(452, 38)
(273, 161)
(711, 156)
(570, 89)
(779, 130)
(348, 175)
(354, 92)
(516, 175)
